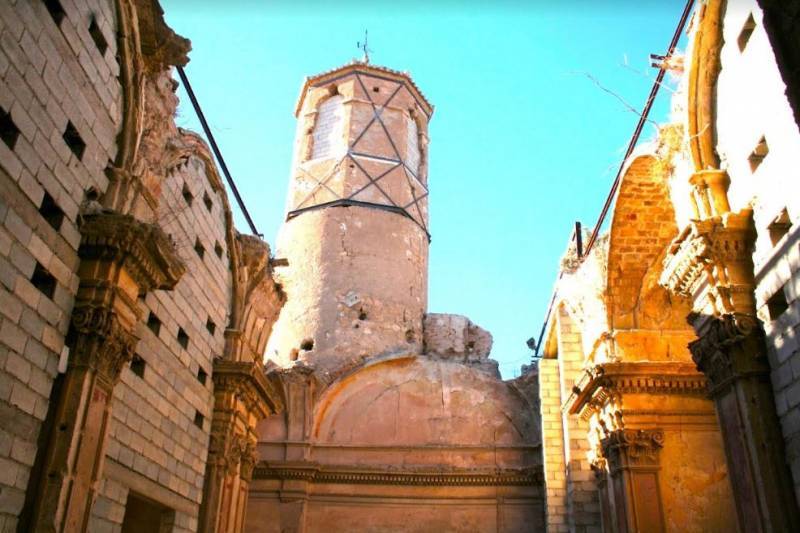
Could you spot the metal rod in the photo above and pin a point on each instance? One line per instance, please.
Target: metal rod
(216, 150)
(579, 238)
(639, 126)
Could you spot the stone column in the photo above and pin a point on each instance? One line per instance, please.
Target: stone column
(120, 259)
(601, 479)
(242, 396)
(633, 465)
(731, 352)
(711, 263)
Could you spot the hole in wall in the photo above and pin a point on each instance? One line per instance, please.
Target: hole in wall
(746, 32)
(8, 130)
(777, 304)
(154, 323)
(138, 365)
(187, 194)
(43, 280)
(56, 11)
(218, 249)
(207, 201)
(362, 315)
(51, 212)
(779, 227)
(74, 140)
(199, 248)
(183, 338)
(97, 36)
(307, 345)
(410, 336)
(202, 375)
(198, 419)
(758, 154)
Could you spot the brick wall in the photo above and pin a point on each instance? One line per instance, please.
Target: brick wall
(53, 74)
(328, 132)
(553, 446)
(583, 506)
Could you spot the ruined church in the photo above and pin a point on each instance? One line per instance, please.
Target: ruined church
(163, 371)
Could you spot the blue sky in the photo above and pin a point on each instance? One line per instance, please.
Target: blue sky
(522, 142)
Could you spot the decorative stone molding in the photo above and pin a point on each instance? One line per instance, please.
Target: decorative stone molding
(711, 262)
(631, 448)
(101, 342)
(601, 384)
(730, 348)
(247, 382)
(313, 473)
(143, 250)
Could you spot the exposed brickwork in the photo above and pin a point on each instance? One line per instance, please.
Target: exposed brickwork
(553, 445)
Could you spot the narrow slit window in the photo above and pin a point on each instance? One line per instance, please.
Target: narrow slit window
(758, 154)
(207, 201)
(74, 140)
(183, 338)
(8, 130)
(199, 248)
(779, 227)
(746, 33)
(43, 280)
(56, 11)
(97, 37)
(202, 375)
(218, 249)
(51, 212)
(137, 365)
(154, 323)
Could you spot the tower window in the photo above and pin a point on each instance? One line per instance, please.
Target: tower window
(51, 212)
(746, 33)
(74, 140)
(8, 130)
(413, 154)
(183, 338)
(758, 154)
(779, 227)
(97, 36)
(43, 280)
(56, 11)
(327, 135)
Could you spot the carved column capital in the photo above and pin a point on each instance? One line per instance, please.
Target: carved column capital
(101, 342)
(632, 448)
(729, 348)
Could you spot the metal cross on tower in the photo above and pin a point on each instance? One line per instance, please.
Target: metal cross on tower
(365, 46)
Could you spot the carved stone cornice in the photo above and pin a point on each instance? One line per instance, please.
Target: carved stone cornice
(601, 383)
(314, 473)
(729, 348)
(632, 448)
(144, 250)
(100, 342)
(715, 251)
(248, 382)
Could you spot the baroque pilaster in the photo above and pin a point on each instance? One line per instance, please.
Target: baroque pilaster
(632, 456)
(711, 264)
(120, 259)
(243, 395)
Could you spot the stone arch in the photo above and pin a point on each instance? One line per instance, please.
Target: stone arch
(642, 226)
(416, 401)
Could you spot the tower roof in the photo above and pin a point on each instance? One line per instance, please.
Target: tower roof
(368, 69)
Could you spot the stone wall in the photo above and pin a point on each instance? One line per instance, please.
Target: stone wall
(60, 107)
(108, 401)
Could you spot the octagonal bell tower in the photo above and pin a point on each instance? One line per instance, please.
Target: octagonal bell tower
(356, 230)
